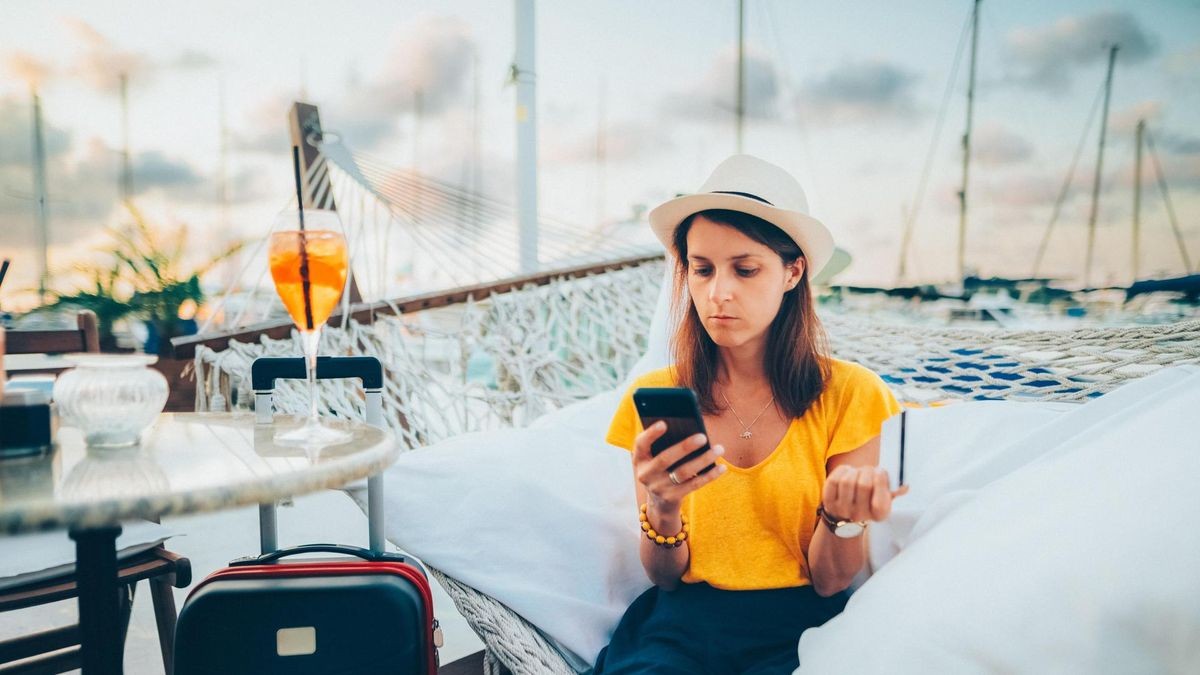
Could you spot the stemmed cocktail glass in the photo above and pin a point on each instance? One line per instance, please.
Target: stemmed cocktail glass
(308, 263)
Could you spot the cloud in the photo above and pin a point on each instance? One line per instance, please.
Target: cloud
(83, 188)
(81, 193)
(427, 69)
(1182, 68)
(623, 141)
(431, 55)
(1045, 56)
(27, 68)
(860, 91)
(154, 170)
(1181, 144)
(1124, 122)
(101, 63)
(714, 97)
(993, 145)
(263, 128)
(16, 135)
(1181, 171)
(428, 65)
(192, 59)
(1020, 192)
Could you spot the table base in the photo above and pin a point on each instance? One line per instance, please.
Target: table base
(100, 630)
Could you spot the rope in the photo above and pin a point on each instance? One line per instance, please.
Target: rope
(1062, 193)
(919, 197)
(1166, 195)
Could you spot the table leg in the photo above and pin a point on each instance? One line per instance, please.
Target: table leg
(99, 606)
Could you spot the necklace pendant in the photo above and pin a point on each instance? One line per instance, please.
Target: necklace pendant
(745, 434)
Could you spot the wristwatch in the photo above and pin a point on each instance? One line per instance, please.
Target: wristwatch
(845, 529)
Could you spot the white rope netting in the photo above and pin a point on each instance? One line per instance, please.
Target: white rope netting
(492, 362)
(505, 359)
(923, 364)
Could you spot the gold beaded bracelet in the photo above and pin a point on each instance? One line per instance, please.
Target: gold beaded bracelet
(659, 539)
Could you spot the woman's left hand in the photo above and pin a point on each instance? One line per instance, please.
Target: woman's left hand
(859, 493)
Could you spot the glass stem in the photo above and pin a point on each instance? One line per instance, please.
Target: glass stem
(311, 339)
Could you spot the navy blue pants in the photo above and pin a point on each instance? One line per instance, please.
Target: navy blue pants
(700, 629)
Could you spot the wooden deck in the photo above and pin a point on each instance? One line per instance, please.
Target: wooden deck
(468, 665)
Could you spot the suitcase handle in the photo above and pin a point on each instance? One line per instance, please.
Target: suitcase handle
(365, 554)
(266, 369)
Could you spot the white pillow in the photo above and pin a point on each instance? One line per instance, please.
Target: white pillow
(950, 452)
(1083, 560)
(542, 519)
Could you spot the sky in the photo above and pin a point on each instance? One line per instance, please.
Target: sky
(846, 96)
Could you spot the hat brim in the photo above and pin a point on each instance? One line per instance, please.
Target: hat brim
(813, 238)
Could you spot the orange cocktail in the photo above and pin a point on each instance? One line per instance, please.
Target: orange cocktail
(309, 269)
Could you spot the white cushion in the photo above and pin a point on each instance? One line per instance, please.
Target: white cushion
(950, 452)
(1084, 559)
(542, 519)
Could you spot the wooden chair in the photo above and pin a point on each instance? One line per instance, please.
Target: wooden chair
(57, 650)
(85, 337)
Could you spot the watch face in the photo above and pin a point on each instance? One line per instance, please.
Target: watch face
(849, 529)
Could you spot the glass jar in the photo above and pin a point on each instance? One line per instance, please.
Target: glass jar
(111, 398)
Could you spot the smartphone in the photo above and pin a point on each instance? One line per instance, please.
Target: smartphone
(678, 407)
(891, 448)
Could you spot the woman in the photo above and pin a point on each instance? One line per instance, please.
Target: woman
(747, 556)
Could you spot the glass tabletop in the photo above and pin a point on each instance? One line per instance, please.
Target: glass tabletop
(186, 462)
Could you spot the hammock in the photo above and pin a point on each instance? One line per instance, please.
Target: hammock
(504, 358)
(505, 355)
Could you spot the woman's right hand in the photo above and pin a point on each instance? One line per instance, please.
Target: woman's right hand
(654, 475)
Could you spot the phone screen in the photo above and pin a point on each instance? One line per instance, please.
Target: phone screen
(678, 407)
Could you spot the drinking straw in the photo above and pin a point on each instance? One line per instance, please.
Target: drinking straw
(304, 280)
(3, 270)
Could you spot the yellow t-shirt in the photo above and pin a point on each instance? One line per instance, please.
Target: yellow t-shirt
(750, 529)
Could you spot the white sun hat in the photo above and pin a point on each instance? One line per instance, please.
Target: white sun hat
(750, 185)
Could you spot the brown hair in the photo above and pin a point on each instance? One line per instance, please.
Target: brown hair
(796, 360)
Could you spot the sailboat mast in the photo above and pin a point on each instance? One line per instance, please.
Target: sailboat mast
(741, 72)
(966, 142)
(524, 75)
(1166, 196)
(601, 149)
(1091, 240)
(223, 163)
(1137, 194)
(42, 219)
(126, 166)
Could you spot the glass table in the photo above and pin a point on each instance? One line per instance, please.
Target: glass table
(186, 463)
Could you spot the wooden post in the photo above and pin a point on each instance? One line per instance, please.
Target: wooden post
(304, 122)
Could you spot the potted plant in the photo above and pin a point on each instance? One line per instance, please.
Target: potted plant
(161, 286)
(101, 294)
(143, 278)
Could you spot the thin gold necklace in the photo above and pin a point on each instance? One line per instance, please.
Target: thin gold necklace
(746, 433)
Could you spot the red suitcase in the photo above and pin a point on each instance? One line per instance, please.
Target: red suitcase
(373, 614)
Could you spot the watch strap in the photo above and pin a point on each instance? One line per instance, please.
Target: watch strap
(833, 523)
